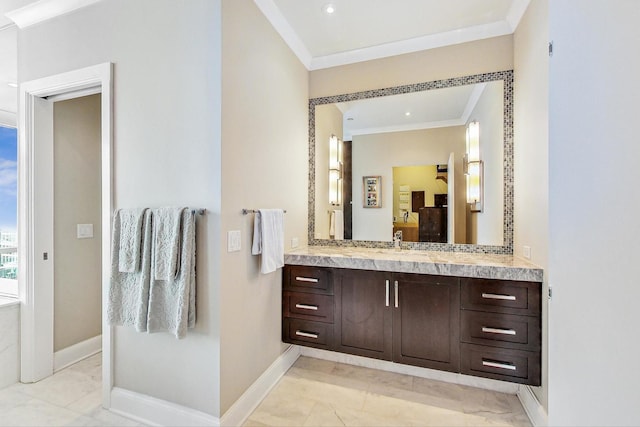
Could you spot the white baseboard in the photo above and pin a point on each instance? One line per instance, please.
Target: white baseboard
(157, 412)
(536, 413)
(383, 365)
(75, 353)
(237, 414)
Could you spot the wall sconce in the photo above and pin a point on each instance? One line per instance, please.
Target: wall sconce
(335, 171)
(473, 167)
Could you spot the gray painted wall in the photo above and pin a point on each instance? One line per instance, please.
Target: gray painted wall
(166, 136)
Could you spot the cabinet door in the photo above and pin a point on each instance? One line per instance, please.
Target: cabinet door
(426, 321)
(363, 313)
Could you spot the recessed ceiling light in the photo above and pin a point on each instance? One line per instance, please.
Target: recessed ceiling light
(12, 84)
(329, 8)
(408, 113)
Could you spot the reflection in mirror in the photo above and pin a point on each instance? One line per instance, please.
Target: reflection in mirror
(414, 138)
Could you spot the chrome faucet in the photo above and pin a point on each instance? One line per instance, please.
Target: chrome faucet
(397, 239)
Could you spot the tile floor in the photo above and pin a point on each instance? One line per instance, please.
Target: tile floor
(71, 397)
(312, 393)
(322, 393)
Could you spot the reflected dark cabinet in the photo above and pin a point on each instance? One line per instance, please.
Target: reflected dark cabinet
(432, 225)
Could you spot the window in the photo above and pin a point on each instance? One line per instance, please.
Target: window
(8, 211)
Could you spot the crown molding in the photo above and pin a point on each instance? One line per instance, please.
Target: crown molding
(278, 21)
(416, 44)
(44, 10)
(516, 12)
(8, 119)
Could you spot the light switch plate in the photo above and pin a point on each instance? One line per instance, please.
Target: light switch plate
(526, 252)
(84, 231)
(294, 242)
(234, 241)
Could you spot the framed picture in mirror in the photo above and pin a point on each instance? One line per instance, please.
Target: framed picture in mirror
(371, 191)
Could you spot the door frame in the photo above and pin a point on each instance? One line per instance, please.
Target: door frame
(36, 326)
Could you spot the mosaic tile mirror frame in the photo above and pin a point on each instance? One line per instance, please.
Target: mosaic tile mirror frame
(507, 247)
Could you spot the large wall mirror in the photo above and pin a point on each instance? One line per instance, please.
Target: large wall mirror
(433, 161)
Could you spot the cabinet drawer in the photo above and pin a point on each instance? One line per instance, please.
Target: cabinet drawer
(501, 296)
(501, 364)
(500, 330)
(308, 279)
(306, 332)
(303, 305)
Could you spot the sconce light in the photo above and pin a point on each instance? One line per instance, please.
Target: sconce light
(335, 171)
(473, 167)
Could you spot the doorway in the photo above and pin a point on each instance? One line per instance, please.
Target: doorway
(36, 207)
(76, 230)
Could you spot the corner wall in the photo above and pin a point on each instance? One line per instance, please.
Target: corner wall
(531, 154)
(265, 152)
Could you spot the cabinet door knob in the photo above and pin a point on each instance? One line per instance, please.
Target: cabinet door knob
(386, 295)
(395, 286)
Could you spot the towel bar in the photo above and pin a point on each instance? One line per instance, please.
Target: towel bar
(248, 211)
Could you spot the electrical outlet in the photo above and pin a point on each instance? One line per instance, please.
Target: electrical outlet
(234, 241)
(294, 242)
(526, 252)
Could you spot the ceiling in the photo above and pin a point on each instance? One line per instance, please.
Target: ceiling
(358, 30)
(361, 30)
(410, 111)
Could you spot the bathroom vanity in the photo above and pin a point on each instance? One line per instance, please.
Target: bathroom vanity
(475, 314)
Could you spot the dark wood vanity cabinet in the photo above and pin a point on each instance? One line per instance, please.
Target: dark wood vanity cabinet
(426, 322)
(480, 327)
(363, 313)
(308, 306)
(500, 330)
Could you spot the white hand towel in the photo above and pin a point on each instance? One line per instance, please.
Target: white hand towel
(166, 242)
(172, 302)
(338, 218)
(129, 292)
(130, 239)
(268, 239)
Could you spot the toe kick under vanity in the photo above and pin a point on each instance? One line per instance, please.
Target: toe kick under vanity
(473, 314)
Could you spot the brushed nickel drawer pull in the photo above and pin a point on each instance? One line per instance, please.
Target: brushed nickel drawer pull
(498, 296)
(498, 331)
(307, 335)
(307, 307)
(491, 364)
(306, 279)
(386, 295)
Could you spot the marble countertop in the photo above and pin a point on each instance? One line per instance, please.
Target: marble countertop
(487, 266)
